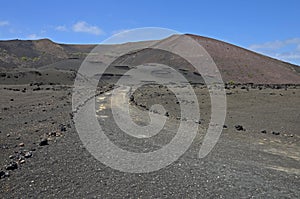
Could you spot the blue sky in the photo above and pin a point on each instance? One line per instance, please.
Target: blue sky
(267, 26)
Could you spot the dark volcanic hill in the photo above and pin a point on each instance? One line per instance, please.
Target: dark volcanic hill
(236, 64)
(38, 53)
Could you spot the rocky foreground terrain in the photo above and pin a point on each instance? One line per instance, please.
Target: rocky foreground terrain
(257, 156)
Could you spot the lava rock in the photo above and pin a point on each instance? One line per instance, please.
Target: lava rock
(198, 121)
(11, 166)
(4, 174)
(44, 142)
(131, 98)
(239, 128)
(225, 126)
(28, 154)
(22, 161)
(62, 128)
(275, 133)
(263, 131)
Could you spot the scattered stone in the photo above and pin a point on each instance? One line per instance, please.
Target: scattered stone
(36, 89)
(11, 166)
(11, 157)
(22, 161)
(131, 98)
(198, 121)
(225, 126)
(275, 133)
(28, 154)
(8, 135)
(167, 114)
(4, 174)
(62, 127)
(7, 174)
(43, 142)
(239, 128)
(263, 131)
(21, 144)
(52, 134)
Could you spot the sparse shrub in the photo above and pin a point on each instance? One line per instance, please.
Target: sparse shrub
(35, 59)
(24, 58)
(231, 82)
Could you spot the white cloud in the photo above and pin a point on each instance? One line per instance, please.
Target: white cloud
(83, 26)
(61, 28)
(4, 23)
(276, 44)
(288, 50)
(33, 36)
(288, 55)
(298, 47)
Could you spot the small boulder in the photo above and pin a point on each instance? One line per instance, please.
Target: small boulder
(275, 133)
(263, 131)
(4, 174)
(43, 142)
(28, 154)
(11, 166)
(62, 128)
(239, 128)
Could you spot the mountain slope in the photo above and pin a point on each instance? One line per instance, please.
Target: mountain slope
(241, 65)
(235, 64)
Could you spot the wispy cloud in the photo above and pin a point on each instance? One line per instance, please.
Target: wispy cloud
(276, 44)
(61, 28)
(288, 50)
(4, 23)
(84, 27)
(32, 36)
